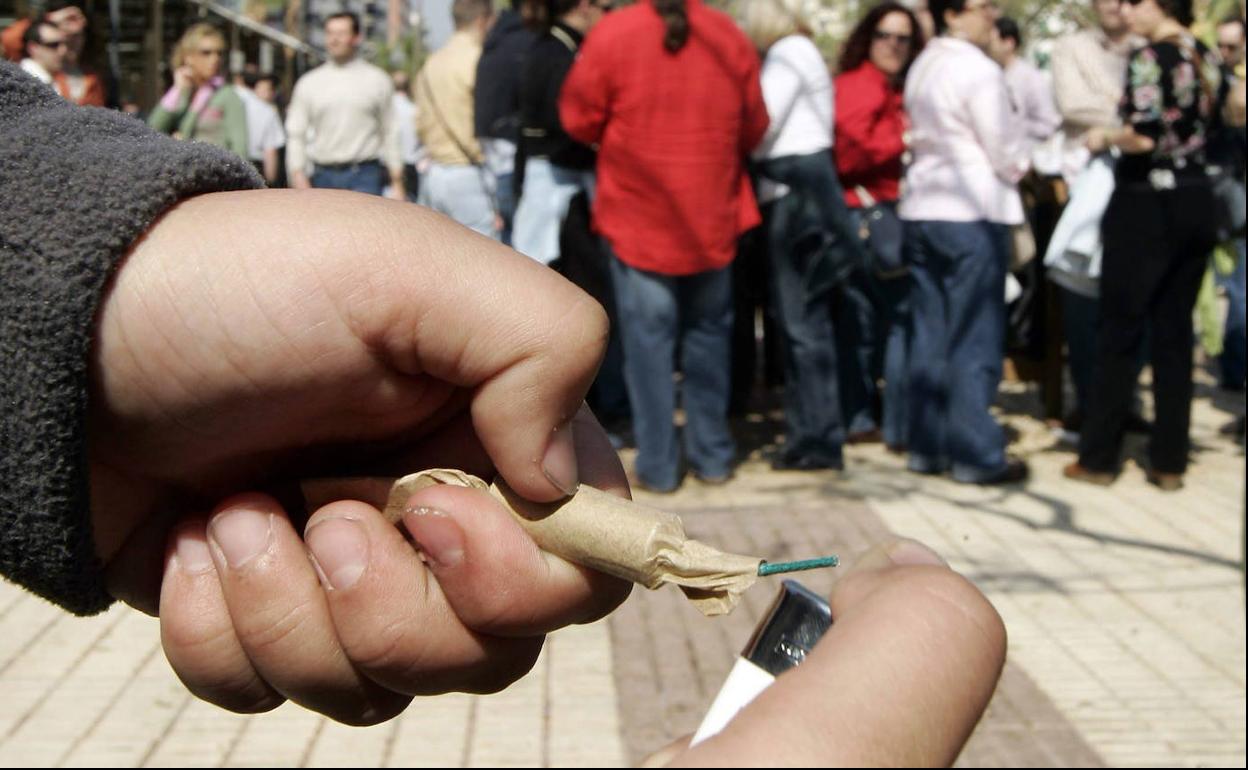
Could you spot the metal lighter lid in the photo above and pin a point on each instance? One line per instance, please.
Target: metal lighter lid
(796, 621)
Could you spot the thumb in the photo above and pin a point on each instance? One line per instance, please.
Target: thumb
(524, 341)
(900, 679)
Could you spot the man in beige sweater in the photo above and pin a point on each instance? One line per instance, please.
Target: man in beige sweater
(457, 184)
(346, 104)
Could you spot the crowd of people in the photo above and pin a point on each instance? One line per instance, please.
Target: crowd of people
(631, 148)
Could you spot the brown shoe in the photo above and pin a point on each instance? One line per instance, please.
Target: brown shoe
(1166, 482)
(1079, 473)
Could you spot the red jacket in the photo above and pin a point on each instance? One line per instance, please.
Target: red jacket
(674, 130)
(92, 94)
(870, 134)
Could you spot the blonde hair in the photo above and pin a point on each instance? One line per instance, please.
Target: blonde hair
(191, 38)
(766, 21)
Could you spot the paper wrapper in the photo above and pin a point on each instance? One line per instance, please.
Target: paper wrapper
(592, 528)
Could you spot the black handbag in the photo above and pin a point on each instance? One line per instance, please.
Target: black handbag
(884, 235)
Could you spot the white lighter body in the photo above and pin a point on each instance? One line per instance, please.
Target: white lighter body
(796, 621)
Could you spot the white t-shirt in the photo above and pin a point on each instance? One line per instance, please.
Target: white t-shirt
(35, 69)
(404, 111)
(798, 92)
(264, 125)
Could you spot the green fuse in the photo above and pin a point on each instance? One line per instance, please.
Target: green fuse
(776, 568)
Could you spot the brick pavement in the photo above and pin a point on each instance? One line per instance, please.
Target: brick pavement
(1125, 609)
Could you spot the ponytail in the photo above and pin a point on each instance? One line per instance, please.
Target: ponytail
(676, 20)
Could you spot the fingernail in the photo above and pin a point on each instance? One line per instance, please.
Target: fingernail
(241, 535)
(914, 553)
(559, 463)
(436, 534)
(192, 552)
(339, 549)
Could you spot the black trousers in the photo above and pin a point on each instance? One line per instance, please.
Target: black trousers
(1157, 245)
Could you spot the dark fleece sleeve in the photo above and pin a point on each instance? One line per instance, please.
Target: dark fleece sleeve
(77, 186)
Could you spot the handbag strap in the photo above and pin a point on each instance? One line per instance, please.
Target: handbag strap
(865, 198)
(437, 113)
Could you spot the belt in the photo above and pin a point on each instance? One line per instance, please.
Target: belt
(349, 166)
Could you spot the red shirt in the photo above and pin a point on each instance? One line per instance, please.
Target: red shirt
(673, 130)
(870, 134)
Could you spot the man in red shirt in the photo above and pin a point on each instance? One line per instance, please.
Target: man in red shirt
(674, 115)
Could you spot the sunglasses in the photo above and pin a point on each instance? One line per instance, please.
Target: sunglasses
(56, 44)
(891, 37)
(211, 52)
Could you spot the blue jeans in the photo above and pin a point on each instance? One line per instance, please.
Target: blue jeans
(1232, 361)
(957, 341)
(814, 429)
(871, 339)
(823, 234)
(367, 177)
(654, 311)
(505, 201)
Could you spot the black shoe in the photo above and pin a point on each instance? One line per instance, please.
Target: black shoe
(1137, 424)
(787, 462)
(1015, 471)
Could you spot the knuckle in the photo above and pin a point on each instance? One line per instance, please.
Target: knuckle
(392, 648)
(264, 636)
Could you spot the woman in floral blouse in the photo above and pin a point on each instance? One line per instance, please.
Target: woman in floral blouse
(1157, 233)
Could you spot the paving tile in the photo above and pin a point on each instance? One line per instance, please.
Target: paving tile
(434, 732)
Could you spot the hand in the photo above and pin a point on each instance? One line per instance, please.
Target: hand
(183, 79)
(242, 347)
(396, 193)
(299, 181)
(900, 679)
(246, 623)
(1097, 140)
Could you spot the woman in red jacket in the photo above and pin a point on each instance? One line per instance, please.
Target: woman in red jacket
(870, 126)
(669, 91)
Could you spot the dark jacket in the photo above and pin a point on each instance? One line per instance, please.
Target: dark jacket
(496, 105)
(541, 134)
(78, 186)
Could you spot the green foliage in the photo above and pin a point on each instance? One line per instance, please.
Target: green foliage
(407, 54)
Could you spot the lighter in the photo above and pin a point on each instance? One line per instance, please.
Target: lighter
(781, 641)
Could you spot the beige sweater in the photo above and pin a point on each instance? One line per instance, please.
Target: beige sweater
(342, 114)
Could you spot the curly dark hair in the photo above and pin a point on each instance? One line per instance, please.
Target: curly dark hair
(1179, 10)
(858, 47)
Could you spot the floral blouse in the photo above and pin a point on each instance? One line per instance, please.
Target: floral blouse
(1173, 95)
